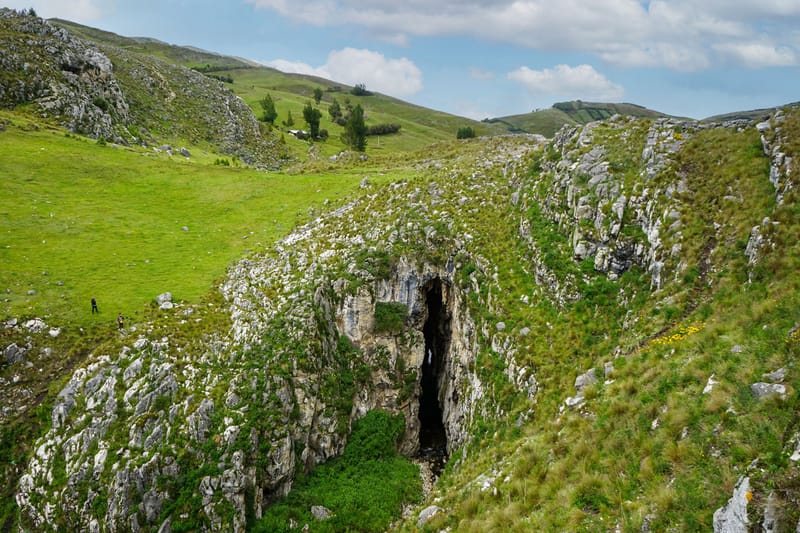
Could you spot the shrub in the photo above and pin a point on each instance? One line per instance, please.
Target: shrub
(383, 129)
(465, 133)
(390, 317)
(360, 90)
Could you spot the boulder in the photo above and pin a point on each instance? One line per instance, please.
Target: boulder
(584, 380)
(164, 301)
(164, 297)
(732, 517)
(766, 390)
(426, 514)
(776, 377)
(13, 353)
(320, 513)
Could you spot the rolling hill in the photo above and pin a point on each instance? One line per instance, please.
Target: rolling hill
(598, 332)
(548, 121)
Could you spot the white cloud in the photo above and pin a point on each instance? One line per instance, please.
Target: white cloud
(76, 10)
(470, 110)
(677, 34)
(296, 67)
(756, 55)
(479, 74)
(567, 82)
(395, 77)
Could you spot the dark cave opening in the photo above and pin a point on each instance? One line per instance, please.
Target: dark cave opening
(432, 434)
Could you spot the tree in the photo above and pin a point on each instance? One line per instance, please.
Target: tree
(312, 115)
(268, 105)
(360, 90)
(335, 110)
(465, 133)
(289, 122)
(317, 95)
(355, 131)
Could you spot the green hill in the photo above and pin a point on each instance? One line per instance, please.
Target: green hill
(548, 121)
(599, 332)
(419, 126)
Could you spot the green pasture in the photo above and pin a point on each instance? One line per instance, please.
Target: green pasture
(81, 220)
(419, 126)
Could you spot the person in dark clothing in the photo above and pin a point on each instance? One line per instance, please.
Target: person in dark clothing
(120, 321)
(94, 306)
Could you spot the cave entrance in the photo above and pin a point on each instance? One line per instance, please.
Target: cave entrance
(432, 434)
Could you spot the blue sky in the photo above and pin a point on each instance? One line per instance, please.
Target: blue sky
(488, 58)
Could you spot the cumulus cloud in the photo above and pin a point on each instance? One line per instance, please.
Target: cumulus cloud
(677, 34)
(75, 10)
(564, 81)
(758, 55)
(395, 77)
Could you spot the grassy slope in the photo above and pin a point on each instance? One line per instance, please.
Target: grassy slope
(548, 121)
(544, 122)
(420, 126)
(649, 447)
(108, 222)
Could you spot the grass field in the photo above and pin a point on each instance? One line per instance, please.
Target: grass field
(82, 220)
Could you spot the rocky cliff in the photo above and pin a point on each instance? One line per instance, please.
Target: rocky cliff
(112, 94)
(467, 297)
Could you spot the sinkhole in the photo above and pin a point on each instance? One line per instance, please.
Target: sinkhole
(432, 433)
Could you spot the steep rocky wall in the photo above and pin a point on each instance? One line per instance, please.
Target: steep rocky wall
(459, 388)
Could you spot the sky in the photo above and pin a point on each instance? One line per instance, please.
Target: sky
(492, 58)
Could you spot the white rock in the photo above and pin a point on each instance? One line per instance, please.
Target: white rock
(732, 517)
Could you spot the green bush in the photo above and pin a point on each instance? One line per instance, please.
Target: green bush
(365, 489)
(390, 317)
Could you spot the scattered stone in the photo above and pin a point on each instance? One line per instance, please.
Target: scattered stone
(776, 377)
(320, 513)
(525, 331)
(427, 514)
(54, 332)
(710, 384)
(608, 368)
(796, 455)
(185, 228)
(771, 514)
(35, 325)
(765, 390)
(732, 517)
(31, 292)
(501, 326)
(573, 402)
(737, 349)
(185, 153)
(13, 353)
(11, 323)
(164, 301)
(584, 380)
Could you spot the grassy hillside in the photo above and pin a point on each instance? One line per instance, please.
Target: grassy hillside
(83, 219)
(419, 126)
(548, 121)
(544, 122)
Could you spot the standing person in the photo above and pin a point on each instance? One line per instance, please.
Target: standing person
(94, 306)
(120, 321)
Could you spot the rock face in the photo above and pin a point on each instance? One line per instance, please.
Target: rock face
(108, 93)
(732, 518)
